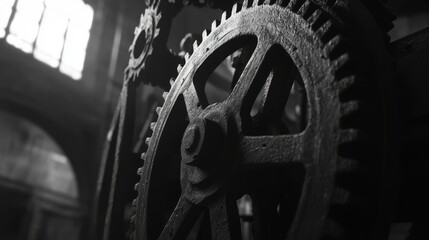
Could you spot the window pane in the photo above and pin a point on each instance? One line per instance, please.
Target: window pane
(74, 58)
(19, 43)
(46, 58)
(62, 7)
(24, 28)
(82, 16)
(51, 36)
(73, 73)
(30, 9)
(5, 12)
(6, 3)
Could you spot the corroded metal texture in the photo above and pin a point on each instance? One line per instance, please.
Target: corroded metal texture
(312, 184)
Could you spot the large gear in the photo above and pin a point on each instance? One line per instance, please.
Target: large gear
(202, 157)
(144, 36)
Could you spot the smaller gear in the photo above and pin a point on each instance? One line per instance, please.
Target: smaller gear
(144, 36)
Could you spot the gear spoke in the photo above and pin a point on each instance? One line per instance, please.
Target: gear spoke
(277, 89)
(193, 102)
(255, 73)
(181, 220)
(274, 150)
(224, 219)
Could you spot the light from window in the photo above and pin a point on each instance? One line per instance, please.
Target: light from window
(55, 31)
(5, 12)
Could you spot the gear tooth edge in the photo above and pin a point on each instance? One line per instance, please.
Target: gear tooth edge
(351, 107)
(136, 30)
(326, 31)
(171, 81)
(133, 218)
(317, 19)
(281, 2)
(140, 171)
(147, 141)
(313, 18)
(267, 2)
(134, 203)
(158, 110)
(204, 35)
(179, 68)
(186, 57)
(214, 25)
(143, 156)
(340, 65)
(152, 125)
(150, 50)
(136, 186)
(333, 48)
(164, 95)
(355, 136)
(234, 9)
(255, 3)
(307, 9)
(156, 32)
(349, 135)
(223, 17)
(294, 5)
(195, 45)
(245, 4)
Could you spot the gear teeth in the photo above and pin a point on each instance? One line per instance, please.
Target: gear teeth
(245, 4)
(164, 95)
(349, 87)
(356, 144)
(341, 65)
(316, 20)
(349, 135)
(307, 9)
(255, 3)
(171, 81)
(147, 141)
(136, 186)
(186, 58)
(352, 107)
(267, 2)
(158, 110)
(281, 2)
(134, 203)
(234, 9)
(195, 45)
(214, 25)
(132, 218)
(334, 48)
(143, 156)
(326, 31)
(223, 17)
(204, 34)
(179, 68)
(140, 171)
(294, 5)
(152, 125)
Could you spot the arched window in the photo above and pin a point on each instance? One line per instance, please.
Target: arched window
(56, 32)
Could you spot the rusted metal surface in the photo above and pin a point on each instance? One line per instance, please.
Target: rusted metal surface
(202, 157)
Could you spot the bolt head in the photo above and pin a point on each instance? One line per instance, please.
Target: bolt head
(191, 139)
